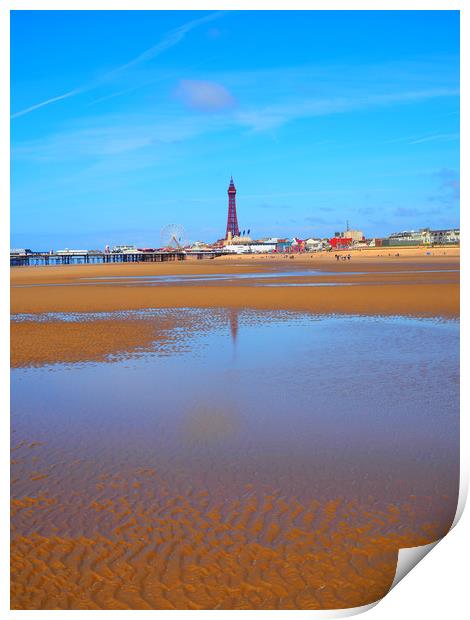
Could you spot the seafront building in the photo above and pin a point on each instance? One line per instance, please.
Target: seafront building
(249, 247)
(314, 245)
(424, 236)
(443, 237)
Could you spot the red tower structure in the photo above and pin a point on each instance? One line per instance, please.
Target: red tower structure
(232, 222)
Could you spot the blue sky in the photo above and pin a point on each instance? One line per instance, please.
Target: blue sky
(125, 121)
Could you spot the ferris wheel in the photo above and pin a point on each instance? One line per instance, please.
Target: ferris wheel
(172, 235)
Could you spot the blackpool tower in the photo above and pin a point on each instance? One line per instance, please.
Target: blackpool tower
(232, 222)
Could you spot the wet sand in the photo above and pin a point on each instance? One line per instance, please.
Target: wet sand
(99, 528)
(265, 552)
(36, 343)
(419, 286)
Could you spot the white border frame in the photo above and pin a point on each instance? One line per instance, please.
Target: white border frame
(437, 588)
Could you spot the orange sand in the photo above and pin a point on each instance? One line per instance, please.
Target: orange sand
(165, 549)
(37, 343)
(393, 293)
(192, 558)
(390, 286)
(187, 552)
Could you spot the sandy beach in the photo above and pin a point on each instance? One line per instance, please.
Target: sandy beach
(189, 527)
(411, 284)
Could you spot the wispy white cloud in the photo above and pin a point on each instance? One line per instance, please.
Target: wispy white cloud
(435, 137)
(115, 135)
(327, 80)
(171, 39)
(272, 116)
(441, 137)
(108, 136)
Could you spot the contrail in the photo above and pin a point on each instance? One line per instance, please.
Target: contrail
(48, 101)
(170, 40)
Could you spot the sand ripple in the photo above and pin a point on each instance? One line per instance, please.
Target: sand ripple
(149, 548)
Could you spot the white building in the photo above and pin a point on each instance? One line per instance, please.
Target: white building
(416, 236)
(269, 240)
(129, 249)
(313, 245)
(200, 245)
(250, 248)
(424, 236)
(20, 251)
(447, 236)
(68, 252)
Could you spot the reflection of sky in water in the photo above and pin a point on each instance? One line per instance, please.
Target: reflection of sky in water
(257, 275)
(149, 280)
(352, 403)
(223, 276)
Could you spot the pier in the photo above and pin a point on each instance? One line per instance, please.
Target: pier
(89, 257)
